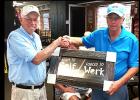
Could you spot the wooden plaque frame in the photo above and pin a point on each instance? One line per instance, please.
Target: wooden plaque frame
(83, 68)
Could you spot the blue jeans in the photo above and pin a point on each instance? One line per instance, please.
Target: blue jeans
(121, 94)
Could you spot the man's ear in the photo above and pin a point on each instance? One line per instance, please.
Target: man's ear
(19, 17)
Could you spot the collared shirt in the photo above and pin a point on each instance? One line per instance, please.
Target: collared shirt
(21, 49)
(126, 46)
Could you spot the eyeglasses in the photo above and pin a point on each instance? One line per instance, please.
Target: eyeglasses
(31, 19)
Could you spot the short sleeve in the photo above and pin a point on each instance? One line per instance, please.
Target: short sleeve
(134, 54)
(21, 47)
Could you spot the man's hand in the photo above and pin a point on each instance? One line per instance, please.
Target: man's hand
(74, 97)
(114, 87)
(65, 41)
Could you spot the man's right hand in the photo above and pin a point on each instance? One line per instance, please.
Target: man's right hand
(65, 42)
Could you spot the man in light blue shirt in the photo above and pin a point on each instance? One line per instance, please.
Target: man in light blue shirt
(26, 58)
(117, 39)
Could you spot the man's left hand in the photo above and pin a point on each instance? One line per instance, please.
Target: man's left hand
(114, 87)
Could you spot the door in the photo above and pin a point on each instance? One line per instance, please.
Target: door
(77, 20)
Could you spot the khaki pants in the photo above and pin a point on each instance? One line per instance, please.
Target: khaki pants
(28, 94)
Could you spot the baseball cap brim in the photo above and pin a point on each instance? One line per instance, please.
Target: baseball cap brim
(118, 13)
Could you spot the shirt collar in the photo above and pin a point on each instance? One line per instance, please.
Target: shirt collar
(23, 30)
(122, 34)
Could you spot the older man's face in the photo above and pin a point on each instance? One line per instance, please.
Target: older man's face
(30, 22)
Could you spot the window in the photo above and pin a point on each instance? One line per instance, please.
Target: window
(46, 21)
(101, 17)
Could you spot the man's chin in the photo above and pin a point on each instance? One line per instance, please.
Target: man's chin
(33, 29)
(113, 28)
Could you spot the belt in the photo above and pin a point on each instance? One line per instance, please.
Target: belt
(28, 87)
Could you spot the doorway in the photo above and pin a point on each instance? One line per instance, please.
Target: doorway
(76, 20)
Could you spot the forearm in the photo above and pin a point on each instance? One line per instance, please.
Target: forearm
(45, 53)
(123, 80)
(60, 86)
(64, 88)
(77, 41)
(130, 73)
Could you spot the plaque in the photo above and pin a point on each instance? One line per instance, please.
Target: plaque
(82, 68)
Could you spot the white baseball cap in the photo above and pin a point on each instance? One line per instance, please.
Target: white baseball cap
(116, 8)
(28, 9)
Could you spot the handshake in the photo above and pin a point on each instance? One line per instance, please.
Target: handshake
(65, 42)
